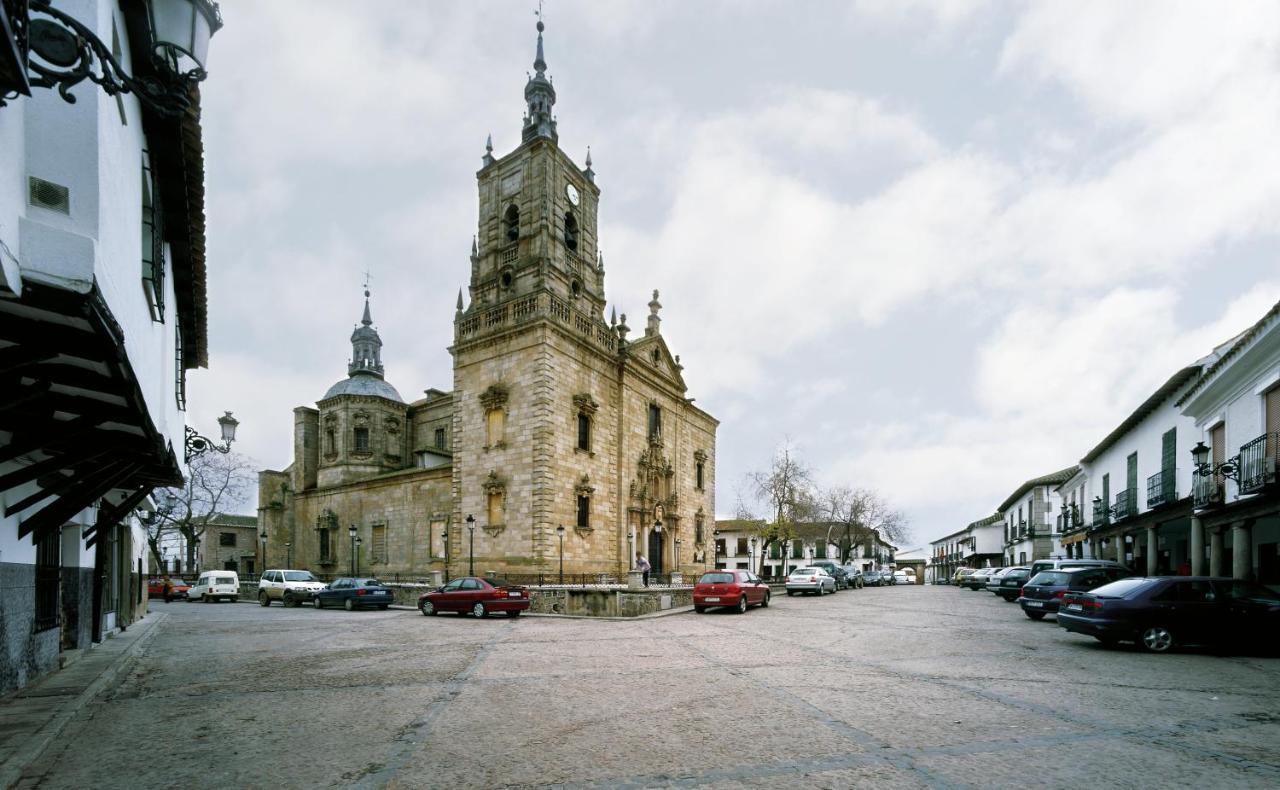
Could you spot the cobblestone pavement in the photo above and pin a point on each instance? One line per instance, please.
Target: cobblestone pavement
(906, 686)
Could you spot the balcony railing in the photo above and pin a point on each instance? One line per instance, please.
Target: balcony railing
(1206, 489)
(1161, 488)
(1258, 463)
(1125, 505)
(1101, 515)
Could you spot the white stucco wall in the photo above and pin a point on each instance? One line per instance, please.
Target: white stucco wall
(1145, 439)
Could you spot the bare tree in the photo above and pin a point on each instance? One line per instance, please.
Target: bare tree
(855, 516)
(216, 483)
(787, 490)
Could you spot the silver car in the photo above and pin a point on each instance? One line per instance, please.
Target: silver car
(814, 580)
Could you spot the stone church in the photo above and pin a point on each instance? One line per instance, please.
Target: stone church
(560, 428)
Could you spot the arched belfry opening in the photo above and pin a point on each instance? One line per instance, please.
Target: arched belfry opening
(511, 222)
(570, 231)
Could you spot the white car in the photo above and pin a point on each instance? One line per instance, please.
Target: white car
(290, 587)
(902, 577)
(814, 580)
(215, 586)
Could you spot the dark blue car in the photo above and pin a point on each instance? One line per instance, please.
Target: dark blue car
(354, 593)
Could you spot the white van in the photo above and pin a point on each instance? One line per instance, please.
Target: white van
(215, 585)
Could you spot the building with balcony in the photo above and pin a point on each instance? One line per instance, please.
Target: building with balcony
(979, 545)
(103, 310)
(739, 544)
(1138, 481)
(1028, 515)
(1234, 526)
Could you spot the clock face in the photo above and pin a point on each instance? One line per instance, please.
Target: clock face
(572, 192)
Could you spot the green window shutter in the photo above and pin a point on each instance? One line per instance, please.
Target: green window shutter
(774, 551)
(1168, 450)
(1131, 474)
(822, 550)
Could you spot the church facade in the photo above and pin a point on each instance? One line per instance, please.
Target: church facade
(561, 432)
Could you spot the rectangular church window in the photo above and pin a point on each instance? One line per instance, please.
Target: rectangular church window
(495, 422)
(655, 420)
(362, 440)
(496, 515)
(584, 512)
(378, 551)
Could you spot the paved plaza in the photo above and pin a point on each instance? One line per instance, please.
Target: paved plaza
(898, 687)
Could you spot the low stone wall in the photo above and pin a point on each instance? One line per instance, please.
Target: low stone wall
(602, 601)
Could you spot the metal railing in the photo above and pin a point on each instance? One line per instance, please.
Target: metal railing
(1124, 506)
(1206, 489)
(1258, 463)
(1161, 488)
(1101, 515)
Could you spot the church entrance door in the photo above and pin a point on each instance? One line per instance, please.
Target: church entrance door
(655, 551)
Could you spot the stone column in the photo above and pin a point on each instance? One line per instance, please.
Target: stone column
(1242, 550)
(1197, 547)
(1215, 552)
(1153, 553)
(1119, 539)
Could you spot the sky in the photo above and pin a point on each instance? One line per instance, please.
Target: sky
(938, 247)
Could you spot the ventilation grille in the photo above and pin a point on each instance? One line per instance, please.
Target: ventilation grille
(47, 194)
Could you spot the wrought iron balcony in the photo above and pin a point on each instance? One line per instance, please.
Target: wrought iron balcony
(1101, 515)
(1125, 505)
(1258, 463)
(1206, 489)
(1161, 488)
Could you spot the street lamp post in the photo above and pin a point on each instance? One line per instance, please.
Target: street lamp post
(197, 445)
(715, 548)
(351, 533)
(560, 532)
(677, 563)
(447, 555)
(288, 555)
(262, 563)
(471, 548)
(657, 527)
(751, 554)
(357, 557)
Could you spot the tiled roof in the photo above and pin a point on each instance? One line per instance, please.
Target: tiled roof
(1056, 478)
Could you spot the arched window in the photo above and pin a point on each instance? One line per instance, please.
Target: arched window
(512, 222)
(570, 231)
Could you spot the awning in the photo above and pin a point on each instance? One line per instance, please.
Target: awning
(1073, 539)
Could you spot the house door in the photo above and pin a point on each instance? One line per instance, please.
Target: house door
(655, 551)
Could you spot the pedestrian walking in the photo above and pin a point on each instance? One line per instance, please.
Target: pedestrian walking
(168, 589)
(643, 566)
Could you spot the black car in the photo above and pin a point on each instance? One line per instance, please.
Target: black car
(1043, 593)
(872, 578)
(1160, 613)
(837, 571)
(1009, 584)
(354, 594)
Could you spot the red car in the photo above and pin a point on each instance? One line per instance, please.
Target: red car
(738, 589)
(477, 596)
(155, 588)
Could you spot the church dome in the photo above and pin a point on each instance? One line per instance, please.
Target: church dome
(364, 384)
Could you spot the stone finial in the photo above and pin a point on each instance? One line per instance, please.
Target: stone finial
(488, 151)
(655, 320)
(589, 173)
(459, 301)
(613, 317)
(475, 250)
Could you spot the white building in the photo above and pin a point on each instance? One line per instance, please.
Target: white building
(1235, 406)
(979, 545)
(102, 310)
(1028, 516)
(738, 544)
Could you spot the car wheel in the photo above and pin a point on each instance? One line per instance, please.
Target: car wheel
(1156, 639)
(742, 605)
(263, 599)
(349, 605)
(316, 603)
(1033, 615)
(700, 609)
(478, 610)
(288, 601)
(764, 604)
(428, 609)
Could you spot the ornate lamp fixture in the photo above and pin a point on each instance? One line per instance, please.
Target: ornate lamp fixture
(198, 445)
(1202, 466)
(48, 48)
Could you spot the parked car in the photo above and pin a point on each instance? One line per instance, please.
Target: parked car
(902, 577)
(477, 596)
(872, 578)
(835, 571)
(155, 588)
(1161, 613)
(810, 579)
(1043, 593)
(290, 587)
(978, 579)
(961, 574)
(738, 589)
(887, 577)
(215, 586)
(1008, 584)
(1058, 564)
(352, 594)
(854, 574)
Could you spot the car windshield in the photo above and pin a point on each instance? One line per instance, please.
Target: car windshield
(1017, 573)
(225, 580)
(178, 583)
(716, 578)
(501, 582)
(1242, 590)
(1051, 578)
(370, 583)
(805, 571)
(1123, 587)
(298, 576)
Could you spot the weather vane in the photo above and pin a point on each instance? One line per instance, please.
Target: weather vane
(367, 278)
